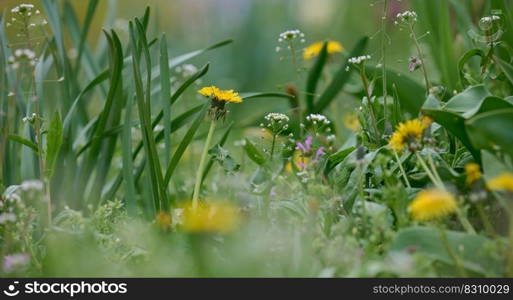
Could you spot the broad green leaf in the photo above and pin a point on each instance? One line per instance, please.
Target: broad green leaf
(465, 102)
(491, 129)
(336, 158)
(410, 93)
(475, 251)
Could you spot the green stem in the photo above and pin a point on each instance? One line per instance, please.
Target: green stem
(402, 170)
(438, 184)
(197, 184)
(272, 146)
(464, 221)
(433, 168)
(421, 57)
(371, 107)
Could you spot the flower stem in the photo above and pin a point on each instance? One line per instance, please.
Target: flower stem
(433, 178)
(199, 174)
(272, 146)
(421, 57)
(402, 170)
(371, 107)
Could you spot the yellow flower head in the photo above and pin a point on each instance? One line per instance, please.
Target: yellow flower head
(432, 204)
(212, 217)
(503, 182)
(163, 220)
(351, 122)
(407, 134)
(217, 94)
(314, 49)
(473, 173)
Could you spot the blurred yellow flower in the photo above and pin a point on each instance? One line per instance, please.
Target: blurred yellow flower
(211, 217)
(299, 160)
(217, 94)
(503, 181)
(407, 133)
(314, 49)
(432, 204)
(163, 220)
(473, 172)
(351, 122)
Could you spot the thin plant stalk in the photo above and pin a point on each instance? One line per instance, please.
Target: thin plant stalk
(421, 57)
(199, 173)
(371, 108)
(403, 173)
(273, 145)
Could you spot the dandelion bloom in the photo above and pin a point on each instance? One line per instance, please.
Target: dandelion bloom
(314, 49)
(473, 173)
(212, 217)
(407, 134)
(503, 181)
(432, 204)
(217, 94)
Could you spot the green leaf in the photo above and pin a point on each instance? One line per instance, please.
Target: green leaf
(475, 251)
(336, 158)
(491, 129)
(165, 95)
(455, 124)
(410, 93)
(53, 143)
(465, 102)
(247, 96)
(313, 77)
(464, 59)
(220, 143)
(253, 153)
(506, 68)
(340, 79)
(224, 158)
(24, 142)
(187, 139)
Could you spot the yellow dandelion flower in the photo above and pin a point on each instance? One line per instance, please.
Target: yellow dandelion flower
(212, 217)
(432, 204)
(217, 94)
(406, 134)
(314, 49)
(351, 122)
(299, 160)
(503, 182)
(473, 173)
(163, 220)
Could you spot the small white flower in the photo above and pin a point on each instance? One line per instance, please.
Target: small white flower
(359, 59)
(407, 17)
(318, 118)
(290, 35)
(277, 117)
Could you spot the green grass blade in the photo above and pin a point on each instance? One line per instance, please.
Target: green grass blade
(341, 78)
(184, 144)
(313, 77)
(165, 95)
